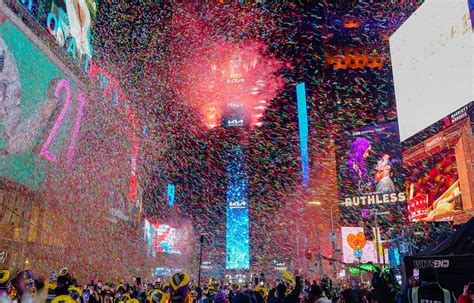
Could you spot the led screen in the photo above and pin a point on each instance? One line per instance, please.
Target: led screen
(237, 221)
(433, 186)
(369, 171)
(163, 239)
(432, 64)
(166, 238)
(40, 110)
(68, 23)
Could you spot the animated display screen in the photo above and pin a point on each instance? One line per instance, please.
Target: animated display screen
(433, 188)
(237, 220)
(369, 171)
(432, 64)
(161, 238)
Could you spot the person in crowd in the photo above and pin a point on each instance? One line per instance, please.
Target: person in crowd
(430, 290)
(258, 296)
(315, 295)
(234, 289)
(271, 295)
(24, 285)
(412, 282)
(242, 297)
(5, 286)
(179, 283)
(262, 291)
(220, 297)
(468, 294)
(380, 282)
(348, 295)
(365, 295)
(394, 288)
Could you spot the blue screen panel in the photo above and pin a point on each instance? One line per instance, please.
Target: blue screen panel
(170, 194)
(303, 126)
(237, 221)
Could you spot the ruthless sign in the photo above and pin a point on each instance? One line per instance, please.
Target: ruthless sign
(375, 199)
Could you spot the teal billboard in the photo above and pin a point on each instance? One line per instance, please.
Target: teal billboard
(37, 109)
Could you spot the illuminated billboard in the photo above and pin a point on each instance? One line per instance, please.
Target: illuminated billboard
(303, 130)
(439, 183)
(356, 248)
(433, 186)
(40, 110)
(432, 64)
(369, 171)
(163, 239)
(234, 115)
(237, 215)
(68, 23)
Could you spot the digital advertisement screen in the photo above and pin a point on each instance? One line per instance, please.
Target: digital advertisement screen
(69, 23)
(433, 188)
(432, 64)
(369, 171)
(356, 248)
(163, 239)
(166, 238)
(39, 110)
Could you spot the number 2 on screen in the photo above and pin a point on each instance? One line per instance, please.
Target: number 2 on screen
(45, 152)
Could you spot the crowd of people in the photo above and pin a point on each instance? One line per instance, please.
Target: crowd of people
(23, 287)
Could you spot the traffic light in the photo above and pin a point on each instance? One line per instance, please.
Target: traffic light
(330, 258)
(308, 253)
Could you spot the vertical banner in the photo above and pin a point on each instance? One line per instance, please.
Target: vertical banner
(303, 126)
(237, 220)
(369, 169)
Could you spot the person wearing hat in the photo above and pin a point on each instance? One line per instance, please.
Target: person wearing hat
(50, 291)
(179, 283)
(430, 290)
(122, 295)
(5, 285)
(262, 290)
(234, 289)
(75, 293)
(24, 285)
(159, 294)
